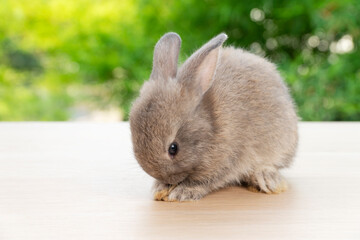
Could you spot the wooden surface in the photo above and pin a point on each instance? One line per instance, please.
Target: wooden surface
(81, 181)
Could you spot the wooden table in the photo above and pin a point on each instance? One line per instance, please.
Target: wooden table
(81, 181)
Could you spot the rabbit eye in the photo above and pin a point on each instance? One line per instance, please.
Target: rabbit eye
(173, 149)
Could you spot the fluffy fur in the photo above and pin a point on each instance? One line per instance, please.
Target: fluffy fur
(230, 113)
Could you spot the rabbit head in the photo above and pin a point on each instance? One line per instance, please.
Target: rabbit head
(169, 131)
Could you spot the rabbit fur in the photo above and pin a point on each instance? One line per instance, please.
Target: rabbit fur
(229, 112)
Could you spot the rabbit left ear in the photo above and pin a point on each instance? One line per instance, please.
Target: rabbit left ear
(197, 72)
(166, 54)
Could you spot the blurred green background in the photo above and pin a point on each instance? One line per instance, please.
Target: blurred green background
(61, 60)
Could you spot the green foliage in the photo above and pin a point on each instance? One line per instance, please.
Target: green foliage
(55, 54)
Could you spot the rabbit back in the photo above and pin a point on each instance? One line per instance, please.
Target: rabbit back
(253, 105)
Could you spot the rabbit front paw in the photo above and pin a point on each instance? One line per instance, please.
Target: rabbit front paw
(186, 193)
(161, 191)
(177, 193)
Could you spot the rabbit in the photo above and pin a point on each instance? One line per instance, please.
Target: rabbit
(224, 117)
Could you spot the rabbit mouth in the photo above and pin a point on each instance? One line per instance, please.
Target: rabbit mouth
(176, 178)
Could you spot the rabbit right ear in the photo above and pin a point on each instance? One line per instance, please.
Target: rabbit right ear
(166, 56)
(198, 70)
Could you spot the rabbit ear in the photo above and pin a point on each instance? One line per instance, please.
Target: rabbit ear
(166, 55)
(197, 72)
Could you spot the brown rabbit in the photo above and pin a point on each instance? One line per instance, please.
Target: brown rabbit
(224, 117)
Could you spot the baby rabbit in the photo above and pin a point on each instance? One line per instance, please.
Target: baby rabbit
(224, 117)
